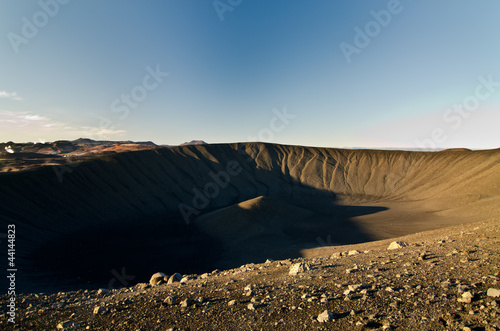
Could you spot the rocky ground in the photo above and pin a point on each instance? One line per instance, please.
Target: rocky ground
(444, 279)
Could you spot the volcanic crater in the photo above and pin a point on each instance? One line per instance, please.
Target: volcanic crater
(114, 220)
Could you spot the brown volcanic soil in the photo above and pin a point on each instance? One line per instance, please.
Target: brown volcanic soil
(412, 288)
(79, 226)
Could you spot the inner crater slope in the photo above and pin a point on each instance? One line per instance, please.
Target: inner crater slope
(191, 209)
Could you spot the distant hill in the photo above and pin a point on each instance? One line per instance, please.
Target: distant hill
(90, 142)
(24, 156)
(194, 142)
(80, 145)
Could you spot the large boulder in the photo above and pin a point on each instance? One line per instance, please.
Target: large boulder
(157, 278)
(174, 278)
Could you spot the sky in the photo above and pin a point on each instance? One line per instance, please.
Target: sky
(375, 74)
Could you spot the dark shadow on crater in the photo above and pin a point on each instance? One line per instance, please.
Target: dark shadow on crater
(120, 256)
(288, 217)
(127, 252)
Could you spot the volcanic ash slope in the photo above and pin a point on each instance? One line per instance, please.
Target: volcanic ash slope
(263, 200)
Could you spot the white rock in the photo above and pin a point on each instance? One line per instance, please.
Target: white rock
(493, 292)
(171, 300)
(251, 306)
(185, 303)
(157, 278)
(354, 252)
(99, 310)
(232, 303)
(467, 294)
(351, 270)
(325, 316)
(299, 267)
(466, 297)
(102, 291)
(397, 244)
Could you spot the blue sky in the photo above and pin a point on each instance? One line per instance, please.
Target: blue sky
(324, 73)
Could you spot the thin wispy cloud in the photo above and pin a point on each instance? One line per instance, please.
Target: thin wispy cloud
(96, 133)
(11, 121)
(10, 95)
(20, 118)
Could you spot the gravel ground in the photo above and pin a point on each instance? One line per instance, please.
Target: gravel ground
(445, 279)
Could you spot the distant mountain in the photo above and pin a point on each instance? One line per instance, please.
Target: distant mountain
(194, 142)
(90, 142)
